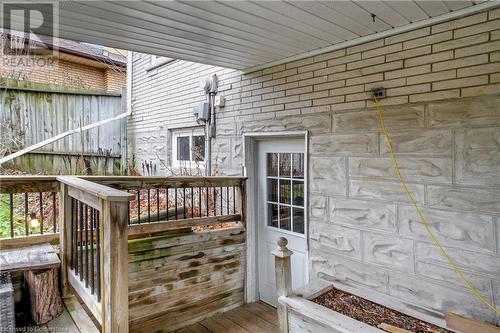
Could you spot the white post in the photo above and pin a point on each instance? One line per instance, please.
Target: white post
(283, 280)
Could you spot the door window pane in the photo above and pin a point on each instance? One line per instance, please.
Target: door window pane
(198, 148)
(298, 220)
(285, 165)
(285, 218)
(285, 191)
(272, 190)
(272, 215)
(183, 148)
(272, 164)
(298, 165)
(298, 193)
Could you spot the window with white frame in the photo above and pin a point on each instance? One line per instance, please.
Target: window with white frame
(188, 148)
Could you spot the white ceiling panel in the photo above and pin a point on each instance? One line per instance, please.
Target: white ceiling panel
(331, 15)
(433, 8)
(457, 4)
(383, 12)
(248, 34)
(358, 14)
(408, 9)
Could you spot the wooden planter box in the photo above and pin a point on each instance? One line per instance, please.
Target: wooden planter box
(298, 314)
(306, 316)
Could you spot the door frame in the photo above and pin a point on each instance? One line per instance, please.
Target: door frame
(250, 170)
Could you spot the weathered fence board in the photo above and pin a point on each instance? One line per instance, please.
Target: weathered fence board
(30, 116)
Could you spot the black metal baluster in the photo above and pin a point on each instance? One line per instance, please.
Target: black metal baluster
(149, 205)
(139, 206)
(184, 202)
(11, 197)
(128, 210)
(26, 217)
(80, 233)
(175, 198)
(157, 205)
(86, 221)
(98, 255)
(199, 201)
(227, 199)
(221, 202)
(92, 278)
(75, 236)
(208, 202)
(41, 212)
(72, 230)
(215, 201)
(166, 205)
(54, 220)
(192, 203)
(234, 199)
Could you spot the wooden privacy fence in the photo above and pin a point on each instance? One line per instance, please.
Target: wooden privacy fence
(32, 112)
(178, 242)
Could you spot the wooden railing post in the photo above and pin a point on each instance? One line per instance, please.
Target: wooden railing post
(283, 280)
(114, 259)
(65, 236)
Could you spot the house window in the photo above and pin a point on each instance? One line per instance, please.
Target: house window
(188, 147)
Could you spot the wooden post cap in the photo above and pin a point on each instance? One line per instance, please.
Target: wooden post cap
(282, 251)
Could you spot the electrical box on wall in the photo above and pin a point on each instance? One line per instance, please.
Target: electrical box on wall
(201, 111)
(219, 101)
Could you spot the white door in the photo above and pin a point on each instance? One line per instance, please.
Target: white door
(281, 195)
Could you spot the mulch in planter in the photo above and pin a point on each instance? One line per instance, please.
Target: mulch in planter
(372, 313)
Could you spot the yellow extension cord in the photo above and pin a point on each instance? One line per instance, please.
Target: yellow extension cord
(452, 263)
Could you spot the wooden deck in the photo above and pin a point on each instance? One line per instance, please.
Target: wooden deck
(254, 317)
(73, 319)
(63, 323)
(249, 318)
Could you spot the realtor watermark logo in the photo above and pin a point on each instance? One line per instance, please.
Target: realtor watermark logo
(29, 37)
(29, 27)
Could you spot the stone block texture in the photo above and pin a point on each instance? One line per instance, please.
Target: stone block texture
(443, 113)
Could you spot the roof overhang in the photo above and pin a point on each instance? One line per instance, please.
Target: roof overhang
(248, 35)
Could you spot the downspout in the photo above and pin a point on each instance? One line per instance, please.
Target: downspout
(82, 128)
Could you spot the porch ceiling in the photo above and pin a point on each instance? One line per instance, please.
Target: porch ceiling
(246, 34)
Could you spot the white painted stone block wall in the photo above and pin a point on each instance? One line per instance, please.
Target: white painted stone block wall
(443, 112)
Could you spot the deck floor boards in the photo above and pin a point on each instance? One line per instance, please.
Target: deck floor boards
(254, 317)
(249, 318)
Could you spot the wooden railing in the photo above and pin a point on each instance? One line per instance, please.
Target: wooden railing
(28, 210)
(94, 249)
(98, 215)
(183, 202)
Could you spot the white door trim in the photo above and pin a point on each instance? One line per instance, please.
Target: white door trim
(250, 171)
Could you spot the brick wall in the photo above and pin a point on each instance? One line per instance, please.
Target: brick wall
(114, 79)
(442, 110)
(51, 70)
